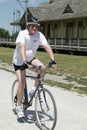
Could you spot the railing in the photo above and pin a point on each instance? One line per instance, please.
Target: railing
(7, 42)
(76, 44)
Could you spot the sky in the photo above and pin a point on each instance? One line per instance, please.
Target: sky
(11, 10)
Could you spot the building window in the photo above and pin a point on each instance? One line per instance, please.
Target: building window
(68, 9)
(55, 25)
(55, 31)
(42, 28)
(48, 30)
(80, 24)
(80, 29)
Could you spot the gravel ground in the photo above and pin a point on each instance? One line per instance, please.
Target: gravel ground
(71, 107)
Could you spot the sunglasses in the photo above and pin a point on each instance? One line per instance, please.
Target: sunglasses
(33, 26)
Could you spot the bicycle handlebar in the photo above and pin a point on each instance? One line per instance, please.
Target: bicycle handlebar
(49, 65)
(27, 64)
(38, 67)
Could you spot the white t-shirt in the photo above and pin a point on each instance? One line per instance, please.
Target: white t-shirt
(31, 42)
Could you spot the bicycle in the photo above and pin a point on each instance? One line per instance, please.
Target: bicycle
(45, 106)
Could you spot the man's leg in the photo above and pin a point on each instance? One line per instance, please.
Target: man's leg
(21, 84)
(39, 63)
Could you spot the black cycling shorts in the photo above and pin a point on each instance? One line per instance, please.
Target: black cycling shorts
(16, 67)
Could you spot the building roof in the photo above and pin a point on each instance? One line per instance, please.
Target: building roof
(60, 9)
(16, 22)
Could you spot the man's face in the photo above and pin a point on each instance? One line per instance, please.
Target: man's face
(32, 28)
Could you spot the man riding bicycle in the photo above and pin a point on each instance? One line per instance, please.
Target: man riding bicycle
(27, 43)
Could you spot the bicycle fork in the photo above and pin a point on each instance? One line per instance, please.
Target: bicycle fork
(44, 100)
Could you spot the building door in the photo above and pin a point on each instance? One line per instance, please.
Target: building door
(69, 30)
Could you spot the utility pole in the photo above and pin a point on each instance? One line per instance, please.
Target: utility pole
(13, 31)
(26, 4)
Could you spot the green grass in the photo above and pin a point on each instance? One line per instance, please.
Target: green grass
(78, 79)
(61, 85)
(6, 55)
(74, 65)
(69, 64)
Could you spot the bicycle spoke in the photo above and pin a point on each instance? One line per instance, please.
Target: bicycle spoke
(47, 114)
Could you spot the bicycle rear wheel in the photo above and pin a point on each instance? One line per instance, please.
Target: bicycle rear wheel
(14, 95)
(30, 83)
(45, 110)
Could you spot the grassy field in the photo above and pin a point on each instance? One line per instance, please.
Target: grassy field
(74, 65)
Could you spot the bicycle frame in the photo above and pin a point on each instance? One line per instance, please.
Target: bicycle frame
(40, 85)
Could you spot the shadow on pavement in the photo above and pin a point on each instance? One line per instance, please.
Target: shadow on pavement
(29, 117)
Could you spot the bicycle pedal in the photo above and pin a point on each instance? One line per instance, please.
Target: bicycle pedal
(14, 110)
(24, 107)
(15, 100)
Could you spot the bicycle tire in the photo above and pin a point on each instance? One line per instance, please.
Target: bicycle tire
(46, 119)
(13, 93)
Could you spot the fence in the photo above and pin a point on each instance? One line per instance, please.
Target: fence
(7, 42)
(71, 44)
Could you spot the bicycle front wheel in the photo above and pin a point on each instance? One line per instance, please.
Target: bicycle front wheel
(45, 110)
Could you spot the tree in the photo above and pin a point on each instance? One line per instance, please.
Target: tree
(15, 34)
(4, 33)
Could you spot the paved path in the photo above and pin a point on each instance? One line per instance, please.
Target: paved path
(72, 108)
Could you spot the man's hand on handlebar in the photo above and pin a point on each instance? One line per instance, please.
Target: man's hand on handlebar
(25, 65)
(52, 64)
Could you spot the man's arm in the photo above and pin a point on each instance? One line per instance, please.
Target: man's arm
(49, 51)
(22, 50)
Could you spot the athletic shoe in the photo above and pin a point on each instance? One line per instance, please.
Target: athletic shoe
(19, 111)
